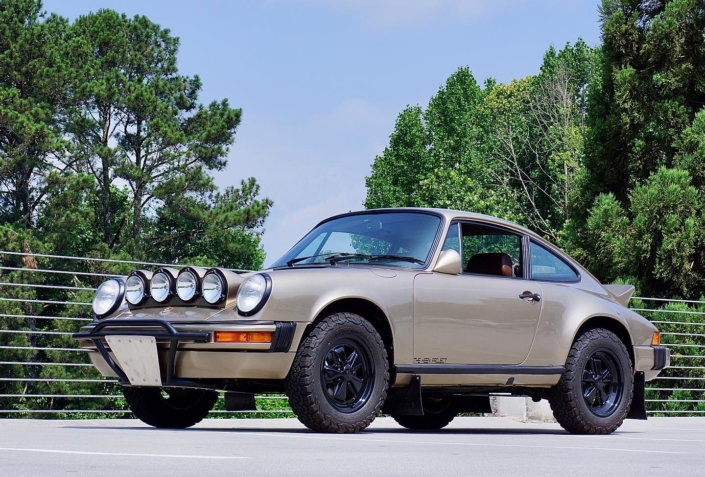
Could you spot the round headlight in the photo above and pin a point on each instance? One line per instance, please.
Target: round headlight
(187, 285)
(135, 290)
(252, 294)
(108, 297)
(213, 288)
(160, 288)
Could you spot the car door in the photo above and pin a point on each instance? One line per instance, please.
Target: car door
(487, 314)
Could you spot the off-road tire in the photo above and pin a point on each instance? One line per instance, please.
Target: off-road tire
(566, 398)
(305, 384)
(432, 420)
(181, 408)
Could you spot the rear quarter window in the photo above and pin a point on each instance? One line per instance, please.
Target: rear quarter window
(547, 266)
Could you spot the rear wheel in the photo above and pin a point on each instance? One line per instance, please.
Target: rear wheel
(338, 381)
(438, 412)
(595, 391)
(170, 408)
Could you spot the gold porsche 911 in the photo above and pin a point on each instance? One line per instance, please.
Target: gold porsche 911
(418, 313)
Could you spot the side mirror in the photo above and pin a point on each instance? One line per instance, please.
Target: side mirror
(449, 263)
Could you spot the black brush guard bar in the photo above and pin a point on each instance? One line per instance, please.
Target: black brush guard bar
(170, 333)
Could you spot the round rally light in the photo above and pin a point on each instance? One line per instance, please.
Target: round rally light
(108, 297)
(160, 288)
(253, 293)
(187, 285)
(213, 288)
(136, 290)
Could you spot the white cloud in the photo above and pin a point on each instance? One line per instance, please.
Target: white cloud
(415, 12)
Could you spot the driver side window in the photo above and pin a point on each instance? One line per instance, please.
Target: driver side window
(488, 250)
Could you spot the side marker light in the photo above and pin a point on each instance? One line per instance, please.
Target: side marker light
(656, 339)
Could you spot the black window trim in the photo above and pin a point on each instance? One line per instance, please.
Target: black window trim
(447, 235)
(507, 231)
(530, 240)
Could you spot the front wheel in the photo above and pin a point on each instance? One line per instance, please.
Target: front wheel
(339, 378)
(170, 408)
(595, 392)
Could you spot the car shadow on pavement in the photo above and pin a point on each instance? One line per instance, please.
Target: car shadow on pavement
(368, 432)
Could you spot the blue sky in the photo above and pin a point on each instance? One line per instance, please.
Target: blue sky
(320, 82)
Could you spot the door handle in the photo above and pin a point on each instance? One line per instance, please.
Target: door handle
(530, 296)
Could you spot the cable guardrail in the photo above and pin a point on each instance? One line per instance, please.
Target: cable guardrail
(43, 371)
(36, 324)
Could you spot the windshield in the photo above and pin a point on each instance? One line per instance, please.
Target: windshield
(401, 239)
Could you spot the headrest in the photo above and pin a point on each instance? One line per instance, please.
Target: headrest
(490, 264)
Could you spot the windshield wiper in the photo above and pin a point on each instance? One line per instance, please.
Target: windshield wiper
(335, 259)
(345, 256)
(403, 258)
(291, 262)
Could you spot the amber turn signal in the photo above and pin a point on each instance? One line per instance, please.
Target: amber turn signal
(243, 337)
(656, 339)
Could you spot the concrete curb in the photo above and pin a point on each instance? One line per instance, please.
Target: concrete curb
(521, 409)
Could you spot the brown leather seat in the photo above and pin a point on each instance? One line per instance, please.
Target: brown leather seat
(499, 264)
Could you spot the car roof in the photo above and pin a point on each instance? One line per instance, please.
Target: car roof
(449, 215)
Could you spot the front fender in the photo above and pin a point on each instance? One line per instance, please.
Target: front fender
(302, 294)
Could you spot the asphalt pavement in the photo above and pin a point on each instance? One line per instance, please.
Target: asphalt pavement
(487, 446)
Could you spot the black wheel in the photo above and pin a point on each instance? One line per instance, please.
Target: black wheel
(595, 391)
(170, 408)
(338, 381)
(438, 411)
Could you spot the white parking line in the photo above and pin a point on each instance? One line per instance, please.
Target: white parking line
(120, 454)
(674, 429)
(467, 444)
(655, 439)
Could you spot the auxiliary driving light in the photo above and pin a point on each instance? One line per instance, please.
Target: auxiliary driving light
(213, 288)
(187, 285)
(136, 288)
(161, 286)
(108, 297)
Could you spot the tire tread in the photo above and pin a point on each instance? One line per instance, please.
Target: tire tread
(564, 400)
(300, 382)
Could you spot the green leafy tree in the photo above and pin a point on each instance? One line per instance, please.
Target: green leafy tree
(427, 144)
(510, 150)
(536, 137)
(33, 85)
(650, 88)
(403, 164)
(105, 152)
(660, 240)
(136, 119)
(643, 149)
(223, 230)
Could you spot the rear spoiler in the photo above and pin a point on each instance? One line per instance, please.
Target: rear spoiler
(621, 293)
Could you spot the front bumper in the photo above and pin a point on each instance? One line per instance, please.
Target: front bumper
(187, 354)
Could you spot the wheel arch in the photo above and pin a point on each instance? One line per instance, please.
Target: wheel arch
(613, 325)
(368, 310)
